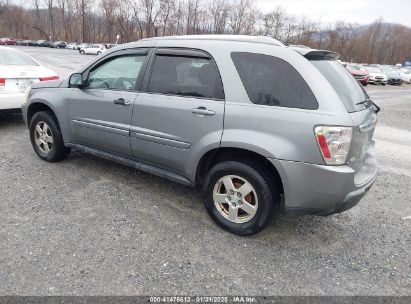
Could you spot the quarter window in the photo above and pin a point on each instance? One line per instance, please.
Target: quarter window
(185, 76)
(119, 73)
(272, 81)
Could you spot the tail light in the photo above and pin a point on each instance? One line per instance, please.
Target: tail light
(2, 82)
(334, 143)
(49, 78)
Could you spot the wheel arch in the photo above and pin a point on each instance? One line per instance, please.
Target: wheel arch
(214, 156)
(38, 106)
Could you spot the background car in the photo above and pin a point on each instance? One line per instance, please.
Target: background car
(359, 73)
(27, 43)
(42, 43)
(82, 45)
(59, 45)
(405, 75)
(93, 49)
(376, 76)
(17, 72)
(394, 76)
(109, 45)
(7, 41)
(71, 46)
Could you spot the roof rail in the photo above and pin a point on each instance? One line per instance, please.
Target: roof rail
(236, 38)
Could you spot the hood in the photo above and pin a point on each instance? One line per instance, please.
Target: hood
(377, 75)
(358, 72)
(47, 84)
(392, 74)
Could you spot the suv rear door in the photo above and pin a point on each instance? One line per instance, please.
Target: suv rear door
(181, 111)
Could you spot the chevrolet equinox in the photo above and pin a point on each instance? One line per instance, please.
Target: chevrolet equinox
(260, 126)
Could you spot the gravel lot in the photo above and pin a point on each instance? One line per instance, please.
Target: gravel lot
(87, 226)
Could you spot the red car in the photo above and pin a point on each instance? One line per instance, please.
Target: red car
(359, 73)
(7, 41)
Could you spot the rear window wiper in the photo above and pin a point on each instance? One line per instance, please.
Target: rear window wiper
(363, 102)
(368, 100)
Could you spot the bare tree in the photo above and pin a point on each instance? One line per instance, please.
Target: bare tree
(102, 20)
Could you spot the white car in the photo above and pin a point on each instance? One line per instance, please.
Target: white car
(93, 49)
(376, 75)
(71, 46)
(17, 72)
(405, 75)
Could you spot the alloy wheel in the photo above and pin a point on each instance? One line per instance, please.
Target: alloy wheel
(235, 198)
(43, 137)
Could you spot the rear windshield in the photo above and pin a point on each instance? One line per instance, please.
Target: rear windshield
(13, 57)
(347, 87)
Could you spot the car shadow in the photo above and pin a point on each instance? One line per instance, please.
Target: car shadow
(10, 119)
(189, 201)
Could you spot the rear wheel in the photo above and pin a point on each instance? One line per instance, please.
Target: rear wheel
(82, 52)
(239, 197)
(98, 53)
(46, 137)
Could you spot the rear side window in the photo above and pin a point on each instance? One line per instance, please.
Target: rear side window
(272, 81)
(186, 76)
(347, 87)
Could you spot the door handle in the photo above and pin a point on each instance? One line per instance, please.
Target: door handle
(202, 111)
(121, 101)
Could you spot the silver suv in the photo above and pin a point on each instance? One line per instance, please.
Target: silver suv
(261, 127)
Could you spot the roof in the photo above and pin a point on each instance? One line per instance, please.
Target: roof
(235, 38)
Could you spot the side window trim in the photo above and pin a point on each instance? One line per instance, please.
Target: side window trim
(139, 52)
(182, 52)
(178, 52)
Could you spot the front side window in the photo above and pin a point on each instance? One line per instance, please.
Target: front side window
(185, 76)
(119, 73)
(272, 81)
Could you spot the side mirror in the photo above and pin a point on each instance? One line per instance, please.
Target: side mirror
(76, 80)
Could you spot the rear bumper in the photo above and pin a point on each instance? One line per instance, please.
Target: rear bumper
(11, 101)
(324, 190)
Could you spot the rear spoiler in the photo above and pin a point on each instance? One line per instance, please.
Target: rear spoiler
(312, 54)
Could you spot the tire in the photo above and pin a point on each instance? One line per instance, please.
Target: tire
(226, 210)
(46, 138)
(82, 52)
(98, 53)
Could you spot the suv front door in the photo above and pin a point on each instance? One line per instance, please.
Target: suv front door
(181, 111)
(100, 113)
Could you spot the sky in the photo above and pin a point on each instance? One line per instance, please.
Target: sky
(357, 11)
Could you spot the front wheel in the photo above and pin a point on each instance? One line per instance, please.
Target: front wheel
(98, 53)
(82, 52)
(46, 137)
(239, 197)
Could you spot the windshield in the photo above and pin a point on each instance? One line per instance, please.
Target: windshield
(373, 70)
(355, 67)
(13, 57)
(347, 87)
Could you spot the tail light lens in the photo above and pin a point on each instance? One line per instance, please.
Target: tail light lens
(2, 82)
(334, 143)
(49, 78)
